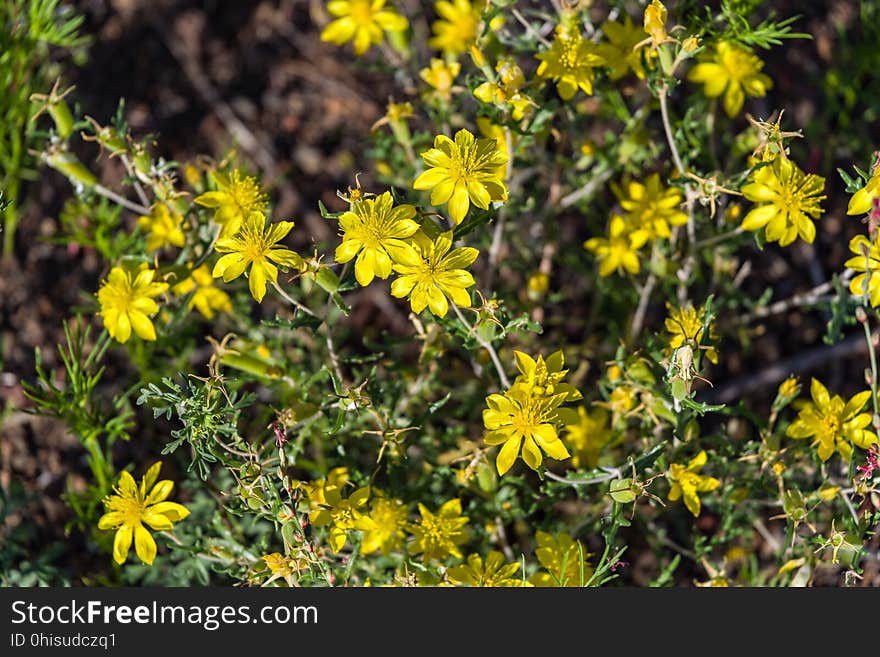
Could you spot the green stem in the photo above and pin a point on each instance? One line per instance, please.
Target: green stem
(485, 344)
(97, 463)
(873, 355)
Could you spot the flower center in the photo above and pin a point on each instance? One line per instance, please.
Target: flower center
(831, 425)
(131, 508)
(526, 419)
(738, 65)
(569, 56)
(361, 13)
(255, 246)
(463, 166)
(433, 533)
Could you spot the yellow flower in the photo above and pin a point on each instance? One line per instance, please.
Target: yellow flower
(206, 297)
(376, 232)
(564, 559)
(537, 393)
(788, 388)
(734, 71)
(687, 483)
(456, 29)
(282, 566)
(494, 572)
(866, 260)
(832, 423)
(570, 62)
(652, 209)
(623, 400)
(499, 133)
(336, 478)
(131, 506)
(655, 23)
(543, 378)
(389, 517)
(361, 21)
(717, 582)
(254, 246)
(787, 198)
(431, 273)
(622, 52)
(238, 197)
(164, 227)
(588, 436)
(620, 250)
(342, 514)
(518, 419)
(462, 172)
(863, 200)
(436, 536)
(441, 76)
(126, 303)
(685, 325)
(538, 284)
(507, 90)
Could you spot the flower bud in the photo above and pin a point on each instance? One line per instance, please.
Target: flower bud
(68, 164)
(655, 22)
(690, 45)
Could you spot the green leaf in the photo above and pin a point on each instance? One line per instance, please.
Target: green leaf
(647, 459)
(300, 320)
(852, 184)
(476, 218)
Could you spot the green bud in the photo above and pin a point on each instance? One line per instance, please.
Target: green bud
(60, 113)
(68, 164)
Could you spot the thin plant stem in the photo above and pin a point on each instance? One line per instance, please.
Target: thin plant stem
(496, 361)
(120, 200)
(872, 353)
(293, 302)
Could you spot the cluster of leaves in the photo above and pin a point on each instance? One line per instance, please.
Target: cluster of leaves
(590, 238)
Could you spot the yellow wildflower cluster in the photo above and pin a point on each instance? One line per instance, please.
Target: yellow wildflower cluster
(564, 561)
(651, 210)
(383, 520)
(528, 416)
(386, 238)
(237, 197)
(507, 91)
